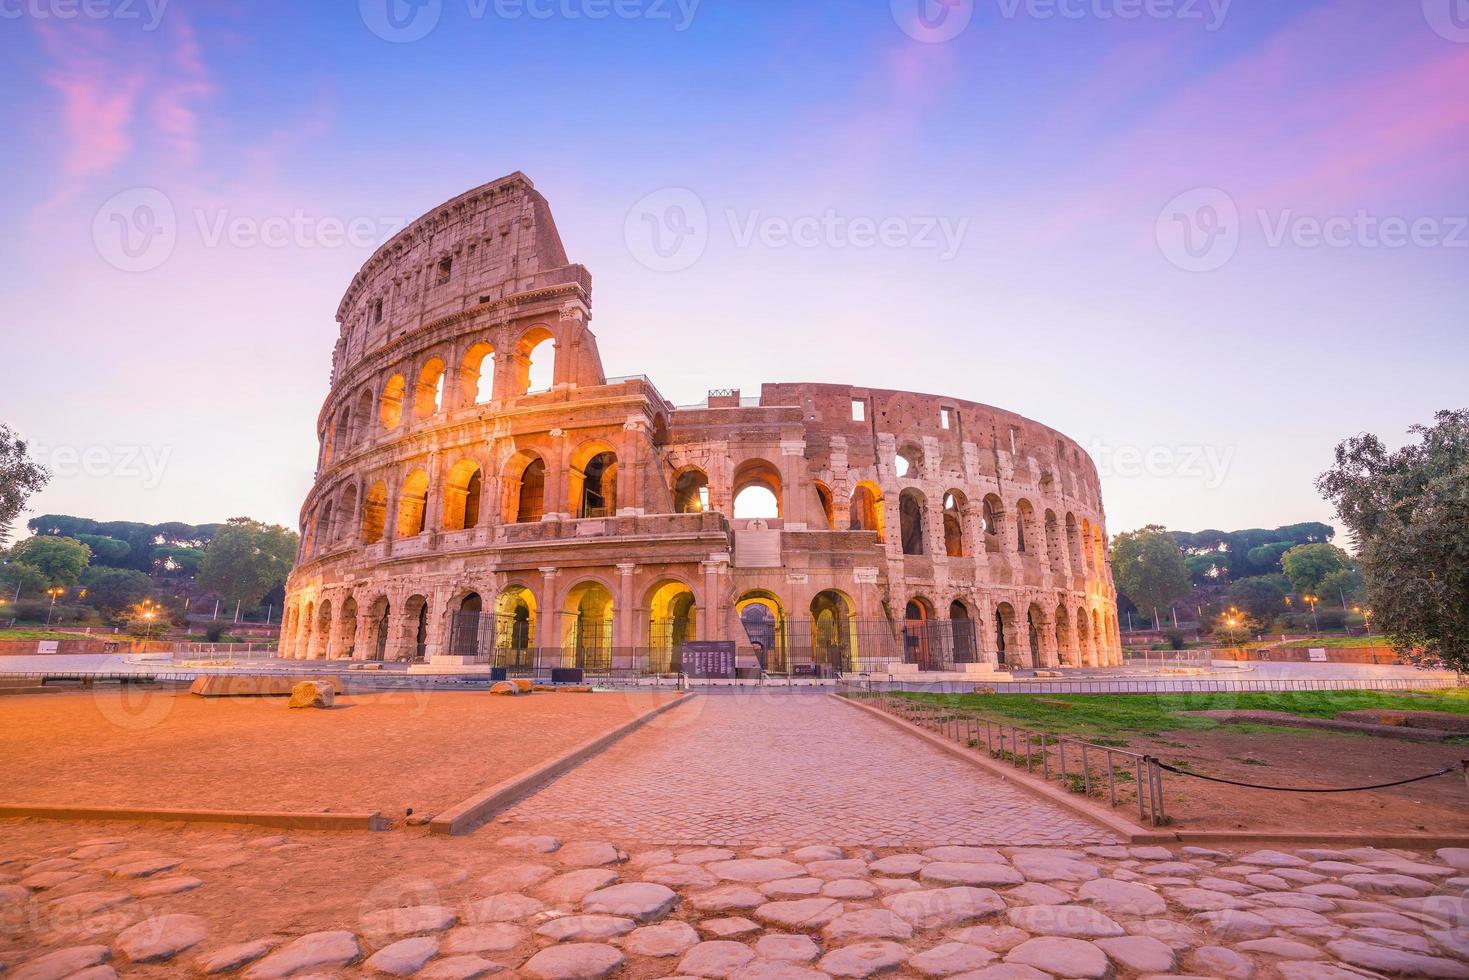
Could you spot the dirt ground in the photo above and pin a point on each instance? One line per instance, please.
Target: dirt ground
(1295, 757)
(387, 752)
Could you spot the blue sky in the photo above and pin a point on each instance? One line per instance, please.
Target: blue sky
(1171, 236)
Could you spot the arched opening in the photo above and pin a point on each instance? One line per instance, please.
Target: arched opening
(1099, 639)
(910, 514)
(428, 393)
(325, 530)
(413, 504)
(348, 649)
(961, 626)
(589, 626)
(525, 486)
(593, 482)
(1034, 621)
(345, 511)
(757, 490)
(1065, 642)
(1087, 553)
(1053, 541)
(954, 506)
(303, 642)
(672, 622)
(866, 509)
(391, 411)
(374, 513)
(1084, 645)
(341, 440)
(918, 639)
(537, 361)
(824, 503)
(1073, 545)
(908, 463)
(691, 492)
(462, 493)
(993, 513)
(464, 629)
(833, 633)
(479, 374)
(763, 618)
(515, 626)
(379, 621)
(323, 645)
(363, 417)
(1024, 526)
(416, 610)
(1005, 635)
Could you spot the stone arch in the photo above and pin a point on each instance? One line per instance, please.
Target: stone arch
(478, 373)
(866, 509)
(1087, 553)
(341, 437)
(824, 504)
(589, 614)
(321, 640)
(324, 529)
(955, 504)
(1085, 647)
(964, 633)
(305, 633)
(1099, 638)
(763, 617)
(1035, 624)
(463, 490)
(1065, 641)
(413, 504)
(911, 523)
(993, 513)
(920, 644)
(348, 648)
(908, 461)
(1007, 639)
(834, 631)
(524, 488)
(465, 622)
(363, 416)
(1027, 540)
(515, 624)
(592, 482)
(428, 391)
(535, 363)
(375, 512)
(416, 628)
(346, 515)
(672, 622)
(390, 405)
(690, 491)
(1073, 545)
(379, 628)
(757, 483)
(1054, 552)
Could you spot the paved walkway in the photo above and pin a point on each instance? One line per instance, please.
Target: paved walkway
(736, 770)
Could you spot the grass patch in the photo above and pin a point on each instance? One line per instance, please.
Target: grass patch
(1336, 642)
(45, 634)
(1109, 719)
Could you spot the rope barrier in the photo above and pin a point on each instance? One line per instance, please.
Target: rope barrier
(1462, 766)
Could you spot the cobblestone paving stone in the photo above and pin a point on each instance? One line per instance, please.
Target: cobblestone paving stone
(737, 770)
(312, 904)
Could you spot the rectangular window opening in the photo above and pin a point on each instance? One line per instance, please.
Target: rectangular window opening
(859, 410)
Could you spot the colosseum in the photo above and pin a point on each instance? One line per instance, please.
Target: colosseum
(486, 497)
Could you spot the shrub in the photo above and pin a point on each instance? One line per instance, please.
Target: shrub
(1177, 640)
(215, 631)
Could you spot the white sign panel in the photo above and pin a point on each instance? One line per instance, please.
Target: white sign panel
(47, 646)
(1317, 654)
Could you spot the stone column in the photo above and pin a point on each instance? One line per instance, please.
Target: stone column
(629, 469)
(557, 484)
(548, 626)
(622, 621)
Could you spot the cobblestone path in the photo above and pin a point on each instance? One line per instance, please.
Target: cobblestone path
(736, 770)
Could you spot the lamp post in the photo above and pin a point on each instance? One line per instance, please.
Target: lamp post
(53, 592)
(1311, 601)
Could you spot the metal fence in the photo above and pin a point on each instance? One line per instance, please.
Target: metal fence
(1100, 772)
(1169, 685)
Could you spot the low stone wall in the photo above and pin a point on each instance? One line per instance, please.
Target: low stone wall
(1335, 655)
(30, 648)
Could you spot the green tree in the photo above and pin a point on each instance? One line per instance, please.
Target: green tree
(105, 550)
(247, 559)
(1267, 556)
(170, 558)
(1262, 596)
(111, 590)
(1308, 565)
(20, 476)
(61, 560)
(1344, 586)
(1149, 568)
(1408, 514)
(19, 579)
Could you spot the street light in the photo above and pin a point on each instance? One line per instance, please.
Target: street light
(1311, 600)
(53, 592)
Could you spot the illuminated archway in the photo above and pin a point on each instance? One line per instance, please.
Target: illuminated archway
(672, 622)
(589, 622)
(763, 618)
(462, 492)
(757, 490)
(515, 626)
(833, 632)
(413, 504)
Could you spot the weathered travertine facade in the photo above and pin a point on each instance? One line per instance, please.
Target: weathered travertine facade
(457, 513)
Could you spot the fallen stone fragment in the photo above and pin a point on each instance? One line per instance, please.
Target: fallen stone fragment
(310, 694)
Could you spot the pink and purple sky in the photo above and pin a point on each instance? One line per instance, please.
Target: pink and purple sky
(1207, 239)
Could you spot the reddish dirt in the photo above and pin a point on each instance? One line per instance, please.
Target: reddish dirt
(1310, 759)
(390, 751)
